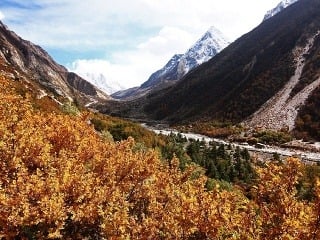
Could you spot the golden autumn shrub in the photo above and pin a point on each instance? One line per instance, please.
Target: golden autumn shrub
(59, 179)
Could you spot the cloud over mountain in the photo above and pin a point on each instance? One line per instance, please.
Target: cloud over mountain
(126, 33)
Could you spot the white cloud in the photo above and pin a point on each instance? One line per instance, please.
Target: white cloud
(131, 68)
(1, 15)
(169, 40)
(95, 24)
(137, 37)
(122, 75)
(125, 74)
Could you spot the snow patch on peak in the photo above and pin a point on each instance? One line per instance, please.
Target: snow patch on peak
(282, 5)
(96, 72)
(213, 38)
(210, 44)
(214, 32)
(101, 82)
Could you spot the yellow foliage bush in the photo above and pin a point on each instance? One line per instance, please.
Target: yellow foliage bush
(59, 179)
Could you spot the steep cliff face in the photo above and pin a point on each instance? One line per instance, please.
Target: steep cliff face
(32, 61)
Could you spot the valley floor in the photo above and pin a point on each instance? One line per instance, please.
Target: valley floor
(293, 149)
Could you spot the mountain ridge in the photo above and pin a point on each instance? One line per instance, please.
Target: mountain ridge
(282, 5)
(209, 45)
(206, 47)
(36, 64)
(238, 81)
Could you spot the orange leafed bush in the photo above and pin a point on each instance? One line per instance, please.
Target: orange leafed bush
(59, 179)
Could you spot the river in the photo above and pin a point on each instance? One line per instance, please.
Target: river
(307, 156)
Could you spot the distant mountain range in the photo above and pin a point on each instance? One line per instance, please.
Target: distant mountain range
(31, 63)
(269, 78)
(100, 81)
(211, 43)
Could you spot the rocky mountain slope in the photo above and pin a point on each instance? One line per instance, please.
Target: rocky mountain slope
(281, 111)
(32, 62)
(268, 78)
(211, 43)
(282, 5)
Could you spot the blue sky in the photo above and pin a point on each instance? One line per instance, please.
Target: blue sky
(126, 40)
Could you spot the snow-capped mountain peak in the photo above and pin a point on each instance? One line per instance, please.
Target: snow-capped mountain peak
(170, 67)
(99, 80)
(282, 5)
(214, 34)
(96, 71)
(211, 43)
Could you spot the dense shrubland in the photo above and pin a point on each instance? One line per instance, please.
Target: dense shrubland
(61, 179)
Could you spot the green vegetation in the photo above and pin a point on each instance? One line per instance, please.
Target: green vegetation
(215, 129)
(307, 182)
(224, 163)
(308, 120)
(219, 162)
(70, 108)
(121, 129)
(272, 137)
